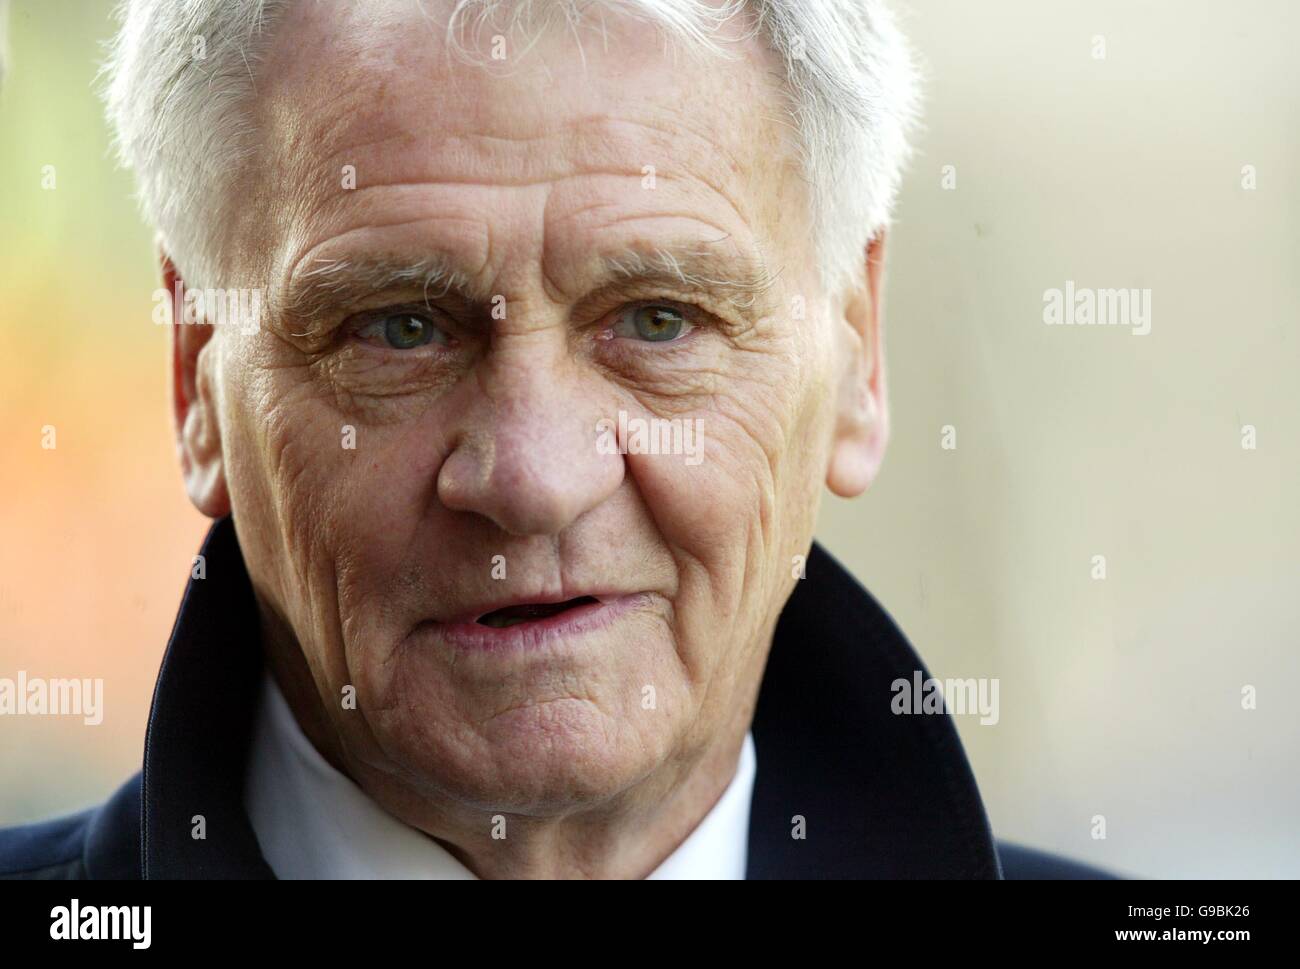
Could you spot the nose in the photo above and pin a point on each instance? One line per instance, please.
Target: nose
(525, 453)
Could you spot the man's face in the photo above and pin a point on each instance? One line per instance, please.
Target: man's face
(404, 459)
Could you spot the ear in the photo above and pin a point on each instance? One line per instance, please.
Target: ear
(198, 433)
(862, 423)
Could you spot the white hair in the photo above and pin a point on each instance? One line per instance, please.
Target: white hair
(179, 72)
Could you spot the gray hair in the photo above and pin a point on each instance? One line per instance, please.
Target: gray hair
(850, 81)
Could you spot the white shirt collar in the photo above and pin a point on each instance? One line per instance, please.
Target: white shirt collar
(313, 822)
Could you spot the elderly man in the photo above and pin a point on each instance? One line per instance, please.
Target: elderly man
(565, 313)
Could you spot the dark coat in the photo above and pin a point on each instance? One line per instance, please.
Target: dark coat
(882, 795)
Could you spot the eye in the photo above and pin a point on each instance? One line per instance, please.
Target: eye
(403, 331)
(652, 323)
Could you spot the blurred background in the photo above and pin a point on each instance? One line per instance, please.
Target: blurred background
(1102, 142)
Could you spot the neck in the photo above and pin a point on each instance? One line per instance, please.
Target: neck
(626, 837)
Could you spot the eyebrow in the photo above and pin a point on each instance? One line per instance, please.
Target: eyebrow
(743, 280)
(331, 283)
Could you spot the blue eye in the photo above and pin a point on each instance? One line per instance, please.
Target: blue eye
(653, 324)
(405, 331)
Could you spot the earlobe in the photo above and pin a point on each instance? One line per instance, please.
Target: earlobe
(858, 447)
(862, 421)
(198, 432)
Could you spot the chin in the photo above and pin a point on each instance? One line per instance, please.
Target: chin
(540, 759)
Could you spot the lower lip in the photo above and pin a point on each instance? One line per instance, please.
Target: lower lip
(570, 623)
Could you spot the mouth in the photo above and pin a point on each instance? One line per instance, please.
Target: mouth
(533, 624)
(530, 612)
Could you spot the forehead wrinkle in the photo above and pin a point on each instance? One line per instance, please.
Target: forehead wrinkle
(376, 110)
(658, 142)
(389, 154)
(585, 146)
(590, 145)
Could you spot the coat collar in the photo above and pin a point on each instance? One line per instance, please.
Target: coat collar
(880, 795)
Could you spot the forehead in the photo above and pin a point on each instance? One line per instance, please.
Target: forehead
(602, 117)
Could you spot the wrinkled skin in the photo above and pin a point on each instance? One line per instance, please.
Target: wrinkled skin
(481, 443)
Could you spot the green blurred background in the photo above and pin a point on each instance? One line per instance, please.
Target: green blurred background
(1119, 698)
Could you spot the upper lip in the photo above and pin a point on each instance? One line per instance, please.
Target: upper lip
(477, 609)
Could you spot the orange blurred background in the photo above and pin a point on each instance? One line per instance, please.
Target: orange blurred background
(96, 534)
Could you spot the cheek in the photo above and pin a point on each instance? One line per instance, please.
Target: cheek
(329, 504)
(812, 430)
(734, 520)
(760, 425)
(284, 463)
